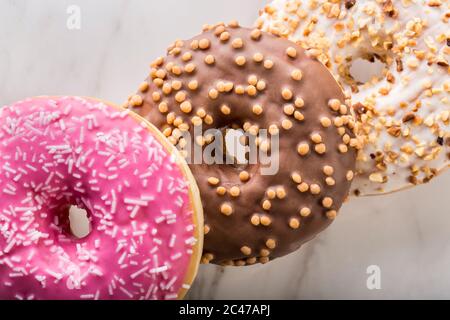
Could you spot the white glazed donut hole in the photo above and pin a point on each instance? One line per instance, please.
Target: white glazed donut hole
(403, 111)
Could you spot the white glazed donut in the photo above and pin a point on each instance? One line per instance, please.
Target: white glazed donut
(403, 114)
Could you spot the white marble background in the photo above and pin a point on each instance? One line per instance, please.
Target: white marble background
(405, 234)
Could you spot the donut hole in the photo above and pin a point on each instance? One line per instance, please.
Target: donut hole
(235, 146)
(229, 150)
(228, 147)
(80, 226)
(366, 69)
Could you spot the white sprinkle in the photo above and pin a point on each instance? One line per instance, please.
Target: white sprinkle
(124, 164)
(32, 168)
(7, 191)
(10, 245)
(122, 258)
(67, 109)
(159, 269)
(150, 290)
(166, 212)
(136, 202)
(126, 292)
(160, 219)
(139, 233)
(114, 201)
(171, 282)
(16, 275)
(135, 211)
(179, 202)
(147, 198)
(27, 224)
(114, 232)
(176, 256)
(146, 175)
(171, 296)
(7, 262)
(113, 177)
(58, 147)
(31, 255)
(62, 124)
(49, 178)
(70, 166)
(139, 272)
(191, 241)
(110, 160)
(110, 290)
(54, 274)
(82, 135)
(160, 184)
(11, 170)
(172, 240)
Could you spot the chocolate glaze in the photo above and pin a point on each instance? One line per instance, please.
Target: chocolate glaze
(228, 234)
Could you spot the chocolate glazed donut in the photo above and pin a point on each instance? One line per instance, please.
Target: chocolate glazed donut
(232, 77)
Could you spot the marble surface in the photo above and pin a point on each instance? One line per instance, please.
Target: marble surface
(405, 234)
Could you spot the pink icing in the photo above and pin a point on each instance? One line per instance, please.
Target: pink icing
(73, 151)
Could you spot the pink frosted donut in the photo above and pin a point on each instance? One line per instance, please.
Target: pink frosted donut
(142, 203)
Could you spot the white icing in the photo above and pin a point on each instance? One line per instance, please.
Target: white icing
(415, 21)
